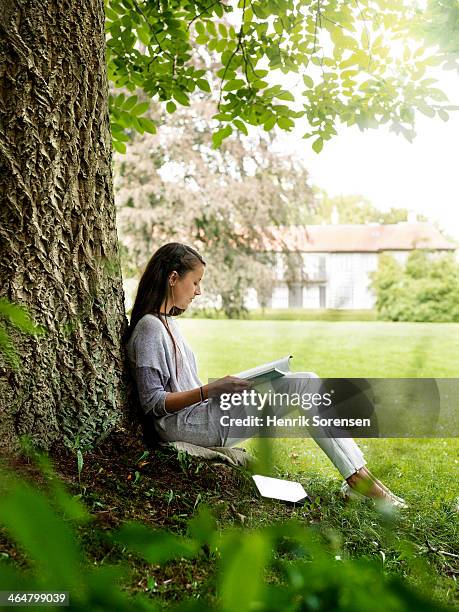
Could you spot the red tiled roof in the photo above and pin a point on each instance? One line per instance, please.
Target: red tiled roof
(356, 238)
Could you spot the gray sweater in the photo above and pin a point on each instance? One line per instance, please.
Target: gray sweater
(151, 354)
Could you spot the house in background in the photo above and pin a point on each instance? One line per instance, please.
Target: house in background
(328, 266)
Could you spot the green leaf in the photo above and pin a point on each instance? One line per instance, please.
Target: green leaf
(119, 146)
(119, 134)
(278, 27)
(248, 16)
(241, 125)
(286, 95)
(28, 517)
(233, 85)
(202, 527)
(69, 504)
(148, 125)
(181, 97)
(109, 14)
(426, 110)
(438, 95)
(171, 107)
(252, 551)
(317, 145)
(220, 135)
(130, 103)
(190, 85)
(226, 56)
(140, 109)
(285, 123)
(210, 26)
(443, 114)
(119, 100)
(221, 45)
(19, 317)
(144, 35)
(203, 85)
(199, 26)
(155, 546)
(223, 116)
(270, 123)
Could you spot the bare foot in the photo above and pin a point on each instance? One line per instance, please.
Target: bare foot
(382, 486)
(364, 484)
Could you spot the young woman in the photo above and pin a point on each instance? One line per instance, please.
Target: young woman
(175, 401)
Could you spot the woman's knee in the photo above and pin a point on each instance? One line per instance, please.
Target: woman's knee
(306, 381)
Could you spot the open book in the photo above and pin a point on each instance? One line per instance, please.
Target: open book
(267, 371)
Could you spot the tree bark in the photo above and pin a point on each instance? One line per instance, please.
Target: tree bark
(58, 244)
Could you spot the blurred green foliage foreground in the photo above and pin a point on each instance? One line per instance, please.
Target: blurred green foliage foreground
(271, 568)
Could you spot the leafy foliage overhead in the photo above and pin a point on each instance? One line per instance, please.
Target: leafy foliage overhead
(361, 62)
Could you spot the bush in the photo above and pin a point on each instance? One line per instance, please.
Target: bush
(277, 567)
(426, 289)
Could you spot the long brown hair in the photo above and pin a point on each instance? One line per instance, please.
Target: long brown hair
(153, 287)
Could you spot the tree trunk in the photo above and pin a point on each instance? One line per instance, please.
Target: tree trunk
(58, 243)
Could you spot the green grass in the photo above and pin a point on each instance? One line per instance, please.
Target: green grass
(424, 471)
(350, 349)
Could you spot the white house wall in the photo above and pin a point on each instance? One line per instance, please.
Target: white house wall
(311, 297)
(311, 264)
(348, 280)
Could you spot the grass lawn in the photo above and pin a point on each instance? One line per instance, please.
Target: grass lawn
(352, 349)
(425, 472)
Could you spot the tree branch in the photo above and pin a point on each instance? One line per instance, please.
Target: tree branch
(202, 13)
(240, 36)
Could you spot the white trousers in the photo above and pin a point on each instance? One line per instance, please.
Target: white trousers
(344, 453)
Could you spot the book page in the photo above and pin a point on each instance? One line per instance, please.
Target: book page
(272, 369)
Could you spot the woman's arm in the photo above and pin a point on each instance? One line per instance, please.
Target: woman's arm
(156, 400)
(177, 400)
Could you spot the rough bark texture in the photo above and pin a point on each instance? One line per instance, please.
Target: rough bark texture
(58, 243)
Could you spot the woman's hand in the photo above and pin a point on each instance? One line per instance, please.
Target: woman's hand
(228, 384)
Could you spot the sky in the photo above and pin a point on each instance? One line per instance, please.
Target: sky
(422, 176)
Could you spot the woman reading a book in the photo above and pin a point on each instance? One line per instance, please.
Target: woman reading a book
(175, 401)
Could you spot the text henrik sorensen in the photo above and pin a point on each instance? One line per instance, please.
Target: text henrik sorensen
(300, 421)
